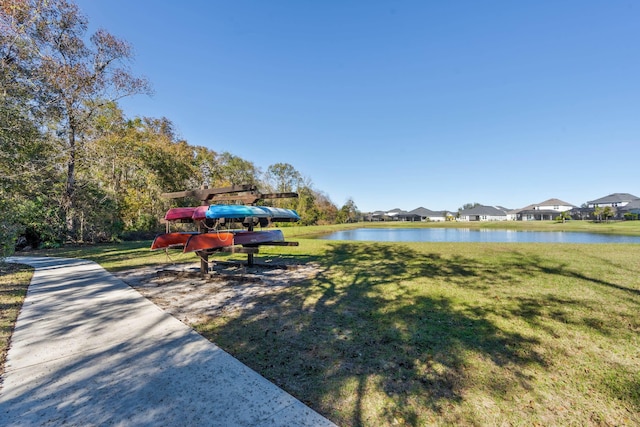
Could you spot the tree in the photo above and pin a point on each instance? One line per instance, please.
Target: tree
(234, 170)
(468, 206)
(74, 79)
(283, 178)
(597, 212)
(348, 212)
(563, 217)
(608, 212)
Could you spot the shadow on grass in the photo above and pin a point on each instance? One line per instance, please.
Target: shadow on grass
(362, 327)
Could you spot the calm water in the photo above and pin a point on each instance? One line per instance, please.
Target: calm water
(468, 235)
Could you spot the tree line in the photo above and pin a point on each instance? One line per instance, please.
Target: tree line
(73, 167)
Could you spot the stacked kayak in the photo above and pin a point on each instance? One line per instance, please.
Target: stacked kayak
(171, 240)
(231, 212)
(184, 214)
(208, 241)
(248, 238)
(241, 212)
(195, 241)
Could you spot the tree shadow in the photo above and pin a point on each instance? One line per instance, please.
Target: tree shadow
(362, 324)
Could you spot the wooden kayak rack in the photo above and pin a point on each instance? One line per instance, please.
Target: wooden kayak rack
(246, 194)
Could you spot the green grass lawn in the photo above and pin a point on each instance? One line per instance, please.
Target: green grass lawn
(452, 333)
(441, 333)
(14, 281)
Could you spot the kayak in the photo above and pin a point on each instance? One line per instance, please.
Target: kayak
(170, 240)
(235, 211)
(176, 214)
(281, 214)
(205, 241)
(199, 213)
(257, 237)
(195, 213)
(244, 211)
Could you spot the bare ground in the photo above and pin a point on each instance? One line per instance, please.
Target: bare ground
(190, 297)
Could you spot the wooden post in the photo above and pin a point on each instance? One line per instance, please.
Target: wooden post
(204, 257)
(250, 255)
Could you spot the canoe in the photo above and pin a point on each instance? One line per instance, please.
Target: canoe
(195, 213)
(257, 237)
(170, 240)
(199, 213)
(205, 241)
(281, 214)
(176, 214)
(244, 211)
(235, 211)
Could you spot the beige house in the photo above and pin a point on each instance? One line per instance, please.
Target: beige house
(544, 211)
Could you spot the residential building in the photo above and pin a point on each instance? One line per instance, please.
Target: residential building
(615, 200)
(544, 211)
(484, 213)
(429, 215)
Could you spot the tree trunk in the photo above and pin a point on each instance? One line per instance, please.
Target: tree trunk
(70, 187)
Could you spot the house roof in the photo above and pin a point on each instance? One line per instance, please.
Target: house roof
(483, 210)
(395, 211)
(634, 204)
(554, 202)
(423, 212)
(614, 198)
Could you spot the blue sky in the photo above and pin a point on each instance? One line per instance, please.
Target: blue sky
(400, 104)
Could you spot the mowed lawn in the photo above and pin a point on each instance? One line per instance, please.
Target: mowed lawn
(443, 333)
(467, 334)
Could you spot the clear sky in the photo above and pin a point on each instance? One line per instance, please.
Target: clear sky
(400, 104)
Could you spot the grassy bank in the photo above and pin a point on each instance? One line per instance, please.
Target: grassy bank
(416, 334)
(14, 281)
(441, 333)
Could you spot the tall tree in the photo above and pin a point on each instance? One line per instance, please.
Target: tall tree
(75, 78)
(348, 212)
(234, 170)
(283, 177)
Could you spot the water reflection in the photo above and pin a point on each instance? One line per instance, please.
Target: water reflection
(474, 235)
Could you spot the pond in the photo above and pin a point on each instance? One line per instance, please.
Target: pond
(474, 235)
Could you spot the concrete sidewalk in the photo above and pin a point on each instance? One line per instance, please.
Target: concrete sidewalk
(89, 350)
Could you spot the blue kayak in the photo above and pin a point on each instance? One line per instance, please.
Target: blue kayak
(244, 211)
(281, 214)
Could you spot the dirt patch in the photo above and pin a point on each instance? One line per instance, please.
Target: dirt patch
(190, 297)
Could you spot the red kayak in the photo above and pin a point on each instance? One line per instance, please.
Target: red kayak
(205, 241)
(195, 213)
(257, 237)
(170, 240)
(176, 214)
(199, 213)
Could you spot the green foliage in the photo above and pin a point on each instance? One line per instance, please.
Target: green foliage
(563, 216)
(72, 166)
(348, 213)
(283, 178)
(9, 230)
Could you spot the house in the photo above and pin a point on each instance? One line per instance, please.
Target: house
(399, 215)
(544, 211)
(632, 208)
(484, 213)
(374, 216)
(615, 200)
(425, 214)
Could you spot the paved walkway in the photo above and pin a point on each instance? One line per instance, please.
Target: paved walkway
(89, 350)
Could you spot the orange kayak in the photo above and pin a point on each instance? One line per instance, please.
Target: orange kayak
(170, 240)
(205, 241)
